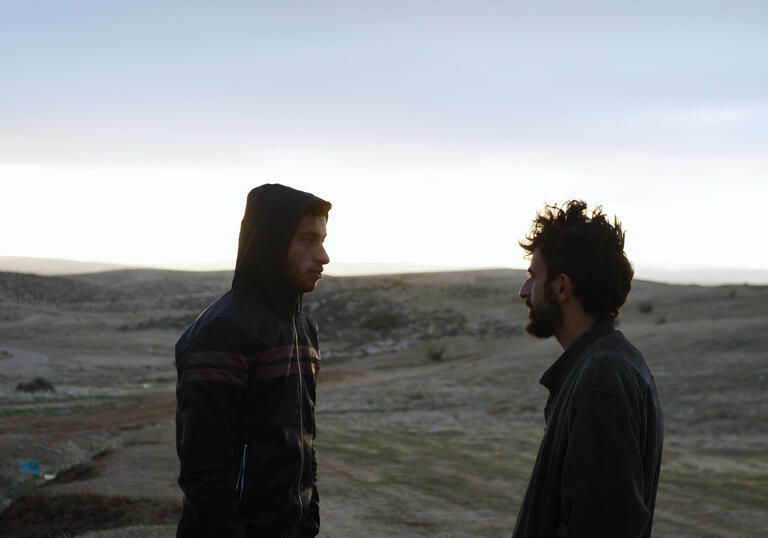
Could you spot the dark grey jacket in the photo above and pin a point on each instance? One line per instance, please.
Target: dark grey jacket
(245, 397)
(597, 470)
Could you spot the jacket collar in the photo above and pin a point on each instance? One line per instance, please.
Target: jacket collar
(553, 378)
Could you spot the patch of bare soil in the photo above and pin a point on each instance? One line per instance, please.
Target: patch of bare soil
(41, 515)
(131, 485)
(84, 471)
(128, 486)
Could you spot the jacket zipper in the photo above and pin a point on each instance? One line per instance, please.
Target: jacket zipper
(240, 483)
(301, 417)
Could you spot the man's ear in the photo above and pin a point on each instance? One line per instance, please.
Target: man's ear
(563, 287)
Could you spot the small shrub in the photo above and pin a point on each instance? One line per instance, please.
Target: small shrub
(381, 321)
(435, 353)
(645, 307)
(38, 384)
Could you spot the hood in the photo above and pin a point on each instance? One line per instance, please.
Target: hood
(272, 213)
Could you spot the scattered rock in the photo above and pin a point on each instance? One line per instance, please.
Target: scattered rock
(435, 353)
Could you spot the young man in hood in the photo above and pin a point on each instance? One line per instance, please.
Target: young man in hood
(597, 470)
(247, 370)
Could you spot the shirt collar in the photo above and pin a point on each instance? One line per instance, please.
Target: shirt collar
(554, 376)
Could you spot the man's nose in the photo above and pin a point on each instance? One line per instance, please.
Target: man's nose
(525, 289)
(323, 256)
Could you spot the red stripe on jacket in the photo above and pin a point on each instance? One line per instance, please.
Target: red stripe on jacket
(269, 363)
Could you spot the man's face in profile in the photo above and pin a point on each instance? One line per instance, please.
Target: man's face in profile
(306, 255)
(545, 313)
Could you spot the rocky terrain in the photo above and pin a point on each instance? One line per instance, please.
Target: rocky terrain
(430, 412)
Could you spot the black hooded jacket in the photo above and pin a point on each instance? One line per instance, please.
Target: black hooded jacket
(245, 396)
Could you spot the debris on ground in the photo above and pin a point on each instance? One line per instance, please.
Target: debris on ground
(31, 467)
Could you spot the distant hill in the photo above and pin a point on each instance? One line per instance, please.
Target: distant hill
(156, 283)
(20, 288)
(359, 269)
(369, 314)
(704, 276)
(52, 266)
(115, 289)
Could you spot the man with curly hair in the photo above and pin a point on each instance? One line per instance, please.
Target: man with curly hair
(597, 470)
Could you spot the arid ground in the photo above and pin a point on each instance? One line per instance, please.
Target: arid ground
(429, 414)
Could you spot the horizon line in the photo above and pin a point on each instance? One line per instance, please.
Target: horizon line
(675, 274)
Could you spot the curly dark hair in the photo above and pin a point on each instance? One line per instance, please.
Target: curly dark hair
(590, 250)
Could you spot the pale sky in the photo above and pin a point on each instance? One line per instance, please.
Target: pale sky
(131, 132)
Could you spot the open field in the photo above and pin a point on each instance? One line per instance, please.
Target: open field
(429, 412)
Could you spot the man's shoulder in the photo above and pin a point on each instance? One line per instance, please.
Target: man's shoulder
(613, 365)
(232, 321)
(614, 344)
(224, 312)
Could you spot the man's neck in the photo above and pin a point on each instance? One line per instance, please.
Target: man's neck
(573, 326)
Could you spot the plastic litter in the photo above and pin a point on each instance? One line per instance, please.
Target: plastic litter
(32, 467)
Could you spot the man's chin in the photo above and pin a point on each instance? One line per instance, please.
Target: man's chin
(304, 286)
(310, 286)
(539, 330)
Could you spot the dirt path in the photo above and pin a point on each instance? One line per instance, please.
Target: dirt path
(127, 413)
(29, 320)
(31, 363)
(382, 369)
(355, 506)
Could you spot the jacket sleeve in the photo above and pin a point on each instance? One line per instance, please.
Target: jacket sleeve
(310, 524)
(210, 407)
(602, 479)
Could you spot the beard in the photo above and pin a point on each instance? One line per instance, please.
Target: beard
(545, 317)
